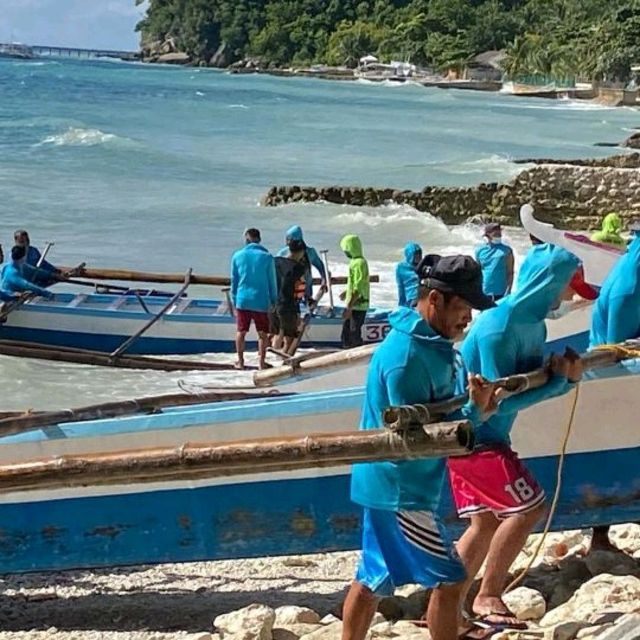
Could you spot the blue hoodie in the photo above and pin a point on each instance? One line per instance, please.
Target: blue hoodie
(11, 281)
(407, 278)
(493, 258)
(253, 279)
(413, 364)
(314, 260)
(510, 338)
(616, 315)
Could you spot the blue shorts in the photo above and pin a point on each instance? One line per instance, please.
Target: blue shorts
(406, 547)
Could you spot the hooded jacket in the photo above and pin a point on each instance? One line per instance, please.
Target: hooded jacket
(407, 279)
(12, 281)
(610, 232)
(414, 364)
(510, 338)
(253, 279)
(358, 280)
(616, 315)
(312, 258)
(493, 258)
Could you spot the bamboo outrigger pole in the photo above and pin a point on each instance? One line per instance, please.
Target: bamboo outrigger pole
(211, 460)
(175, 278)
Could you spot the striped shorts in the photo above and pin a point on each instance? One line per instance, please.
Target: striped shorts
(406, 547)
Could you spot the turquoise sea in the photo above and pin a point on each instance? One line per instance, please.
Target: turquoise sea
(155, 167)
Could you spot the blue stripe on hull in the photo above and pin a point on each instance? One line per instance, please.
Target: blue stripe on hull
(144, 345)
(265, 518)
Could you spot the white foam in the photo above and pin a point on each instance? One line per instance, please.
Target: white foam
(78, 137)
(238, 106)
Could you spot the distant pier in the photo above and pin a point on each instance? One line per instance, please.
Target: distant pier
(73, 52)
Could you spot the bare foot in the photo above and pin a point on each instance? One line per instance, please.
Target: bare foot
(238, 365)
(265, 365)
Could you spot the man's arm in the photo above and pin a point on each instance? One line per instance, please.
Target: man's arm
(18, 283)
(273, 283)
(402, 297)
(510, 270)
(316, 261)
(234, 279)
(623, 319)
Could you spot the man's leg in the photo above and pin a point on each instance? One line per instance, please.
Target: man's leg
(359, 608)
(442, 614)
(263, 341)
(345, 338)
(240, 340)
(357, 320)
(507, 543)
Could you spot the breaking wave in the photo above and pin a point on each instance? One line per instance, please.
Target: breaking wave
(78, 137)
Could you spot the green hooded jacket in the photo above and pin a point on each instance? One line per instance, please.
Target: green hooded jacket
(358, 281)
(610, 233)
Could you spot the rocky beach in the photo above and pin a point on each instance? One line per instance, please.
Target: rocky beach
(567, 594)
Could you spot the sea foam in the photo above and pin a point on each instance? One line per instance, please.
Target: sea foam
(78, 137)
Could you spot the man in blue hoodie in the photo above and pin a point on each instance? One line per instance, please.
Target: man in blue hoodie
(491, 486)
(407, 279)
(11, 280)
(310, 258)
(496, 260)
(254, 291)
(403, 540)
(43, 274)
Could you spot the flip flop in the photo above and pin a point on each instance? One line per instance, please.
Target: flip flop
(505, 621)
(478, 634)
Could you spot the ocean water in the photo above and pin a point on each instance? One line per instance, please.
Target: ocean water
(162, 168)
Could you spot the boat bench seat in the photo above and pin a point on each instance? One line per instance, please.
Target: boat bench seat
(77, 301)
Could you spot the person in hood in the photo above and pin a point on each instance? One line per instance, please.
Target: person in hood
(407, 279)
(310, 258)
(496, 260)
(491, 486)
(12, 281)
(43, 274)
(610, 232)
(254, 292)
(356, 294)
(403, 539)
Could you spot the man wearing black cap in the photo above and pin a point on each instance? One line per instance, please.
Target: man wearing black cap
(403, 539)
(496, 260)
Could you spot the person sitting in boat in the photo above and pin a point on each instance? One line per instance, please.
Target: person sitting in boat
(496, 259)
(491, 486)
(285, 317)
(407, 279)
(43, 274)
(610, 232)
(254, 292)
(310, 258)
(404, 540)
(357, 293)
(12, 280)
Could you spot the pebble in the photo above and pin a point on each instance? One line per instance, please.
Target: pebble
(565, 596)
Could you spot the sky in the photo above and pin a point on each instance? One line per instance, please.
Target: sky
(95, 24)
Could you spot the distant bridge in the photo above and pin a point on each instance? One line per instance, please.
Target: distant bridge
(72, 52)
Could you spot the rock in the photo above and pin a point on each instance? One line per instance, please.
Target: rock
(602, 593)
(288, 615)
(626, 628)
(383, 630)
(391, 608)
(331, 631)
(613, 562)
(222, 57)
(254, 622)
(179, 57)
(626, 537)
(633, 141)
(526, 604)
(329, 618)
(566, 630)
(293, 631)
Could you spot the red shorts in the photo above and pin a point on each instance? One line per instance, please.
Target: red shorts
(493, 479)
(244, 318)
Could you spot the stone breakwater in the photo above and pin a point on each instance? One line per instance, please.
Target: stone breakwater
(577, 196)
(565, 595)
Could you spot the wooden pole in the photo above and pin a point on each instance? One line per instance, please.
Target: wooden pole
(330, 279)
(401, 417)
(211, 460)
(129, 341)
(308, 367)
(16, 422)
(168, 278)
(82, 356)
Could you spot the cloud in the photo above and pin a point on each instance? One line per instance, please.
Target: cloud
(75, 23)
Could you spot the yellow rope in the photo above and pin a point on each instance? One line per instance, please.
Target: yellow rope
(556, 497)
(622, 351)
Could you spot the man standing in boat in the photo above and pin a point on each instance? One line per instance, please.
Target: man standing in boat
(496, 260)
(254, 292)
(403, 539)
(309, 257)
(356, 294)
(407, 279)
(35, 269)
(491, 486)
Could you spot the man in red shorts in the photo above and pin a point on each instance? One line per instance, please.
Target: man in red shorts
(492, 487)
(254, 292)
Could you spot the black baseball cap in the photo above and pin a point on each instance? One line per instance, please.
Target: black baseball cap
(460, 275)
(492, 228)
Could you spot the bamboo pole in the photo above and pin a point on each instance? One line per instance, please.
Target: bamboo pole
(309, 367)
(132, 339)
(212, 460)
(16, 422)
(176, 278)
(82, 356)
(402, 416)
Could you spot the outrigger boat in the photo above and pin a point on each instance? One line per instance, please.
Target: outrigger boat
(53, 526)
(103, 322)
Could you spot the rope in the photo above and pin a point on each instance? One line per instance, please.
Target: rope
(622, 351)
(556, 496)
